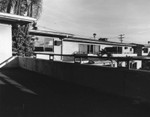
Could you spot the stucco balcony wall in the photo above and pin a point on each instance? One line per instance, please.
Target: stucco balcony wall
(12, 62)
(129, 83)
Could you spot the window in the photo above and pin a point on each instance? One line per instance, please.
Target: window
(57, 43)
(49, 45)
(82, 48)
(145, 50)
(119, 50)
(44, 44)
(114, 50)
(38, 49)
(90, 49)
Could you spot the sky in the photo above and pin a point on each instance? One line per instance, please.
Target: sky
(106, 18)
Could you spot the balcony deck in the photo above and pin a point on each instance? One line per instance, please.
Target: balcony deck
(28, 94)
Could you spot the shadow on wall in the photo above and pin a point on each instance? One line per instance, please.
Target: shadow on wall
(11, 62)
(123, 82)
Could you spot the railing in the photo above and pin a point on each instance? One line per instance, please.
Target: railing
(75, 56)
(94, 56)
(80, 57)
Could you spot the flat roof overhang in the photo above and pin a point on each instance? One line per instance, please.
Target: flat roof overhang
(147, 46)
(14, 19)
(50, 34)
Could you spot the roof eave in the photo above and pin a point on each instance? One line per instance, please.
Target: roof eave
(46, 33)
(11, 18)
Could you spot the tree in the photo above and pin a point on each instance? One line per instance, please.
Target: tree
(22, 43)
(31, 8)
(6, 5)
(34, 8)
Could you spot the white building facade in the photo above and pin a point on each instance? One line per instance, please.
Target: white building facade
(6, 21)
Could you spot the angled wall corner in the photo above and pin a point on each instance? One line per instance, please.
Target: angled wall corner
(5, 42)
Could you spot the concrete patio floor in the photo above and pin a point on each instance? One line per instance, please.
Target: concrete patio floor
(28, 94)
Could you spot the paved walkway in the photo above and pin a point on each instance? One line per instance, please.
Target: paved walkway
(28, 94)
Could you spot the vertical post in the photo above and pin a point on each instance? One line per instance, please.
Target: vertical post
(117, 49)
(49, 57)
(74, 59)
(44, 45)
(80, 59)
(117, 63)
(128, 64)
(61, 48)
(143, 64)
(34, 55)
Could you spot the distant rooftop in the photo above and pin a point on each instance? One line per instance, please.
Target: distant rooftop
(94, 41)
(147, 45)
(74, 38)
(11, 18)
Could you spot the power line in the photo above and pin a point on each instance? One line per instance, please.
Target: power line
(48, 28)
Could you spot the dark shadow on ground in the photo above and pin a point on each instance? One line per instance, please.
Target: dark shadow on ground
(28, 94)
